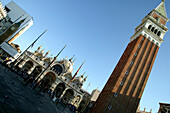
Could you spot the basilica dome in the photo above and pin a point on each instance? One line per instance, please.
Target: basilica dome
(65, 65)
(79, 78)
(68, 66)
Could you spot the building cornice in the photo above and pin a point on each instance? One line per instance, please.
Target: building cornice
(149, 35)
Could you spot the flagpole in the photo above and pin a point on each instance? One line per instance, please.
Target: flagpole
(33, 42)
(75, 73)
(15, 62)
(78, 70)
(19, 17)
(87, 86)
(36, 80)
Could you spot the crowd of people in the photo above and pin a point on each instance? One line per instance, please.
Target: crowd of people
(29, 80)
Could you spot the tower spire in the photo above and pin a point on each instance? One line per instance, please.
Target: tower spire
(74, 60)
(47, 53)
(83, 74)
(39, 48)
(161, 9)
(42, 51)
(85, 78)
(71, 58)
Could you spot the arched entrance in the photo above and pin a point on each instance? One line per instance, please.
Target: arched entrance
(48, 79)
(37, 70)
(28, 65)
(68, 96)
(59, 89)
(58, 69)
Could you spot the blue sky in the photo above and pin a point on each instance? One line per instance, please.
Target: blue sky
(97, 31)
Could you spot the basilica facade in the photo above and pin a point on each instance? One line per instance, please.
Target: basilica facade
(58, 77)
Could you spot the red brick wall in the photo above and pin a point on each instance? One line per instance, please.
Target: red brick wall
(130, 92)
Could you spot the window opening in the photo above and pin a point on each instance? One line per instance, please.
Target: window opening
(155, 31)
(126, 72)
(109, 107)
(152, 29)
(149, 27)
(159, 33)
(116, 94)
(139, 46)
(121, 83)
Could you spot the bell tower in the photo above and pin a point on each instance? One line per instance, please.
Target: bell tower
(124, 88)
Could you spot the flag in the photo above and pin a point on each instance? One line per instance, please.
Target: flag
(75, 74)
(88, 85)
(77, 71)
(37, 39)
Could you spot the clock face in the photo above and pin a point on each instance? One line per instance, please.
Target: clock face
(12, 28)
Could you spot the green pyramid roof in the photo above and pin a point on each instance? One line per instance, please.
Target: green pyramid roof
(161, 9)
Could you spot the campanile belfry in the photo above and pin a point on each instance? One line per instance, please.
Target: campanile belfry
(124, 88)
